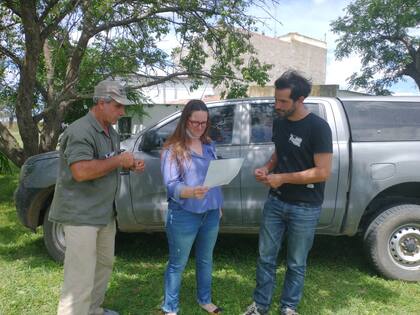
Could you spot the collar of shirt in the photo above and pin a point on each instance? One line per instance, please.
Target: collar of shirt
(207, 152)
(98, 127)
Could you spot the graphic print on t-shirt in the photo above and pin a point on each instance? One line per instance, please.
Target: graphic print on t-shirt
(297, 141)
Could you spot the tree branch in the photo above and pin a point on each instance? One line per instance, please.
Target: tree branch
(38, 117)
(16, 60)
(6, 27)
(41, 90)
(409, 47)
(155, 80)
(139, 19)
(76, 57)
(50, 71)
(405, 41)
(53, 25)
(159, 79)
(11, 6)
(47, 10)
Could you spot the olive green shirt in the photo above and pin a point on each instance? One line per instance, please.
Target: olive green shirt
(89, 202)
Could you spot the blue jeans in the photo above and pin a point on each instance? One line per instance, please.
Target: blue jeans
(182, 229)
(298, 223)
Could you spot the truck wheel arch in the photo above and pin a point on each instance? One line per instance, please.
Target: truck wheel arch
(38, 207)
(402, 193)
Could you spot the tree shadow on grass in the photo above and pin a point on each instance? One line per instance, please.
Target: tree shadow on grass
(8, 184)
(26, 248)
(337, 273)
(19, 243)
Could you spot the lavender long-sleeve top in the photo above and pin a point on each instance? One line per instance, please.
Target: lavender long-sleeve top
(195, 170)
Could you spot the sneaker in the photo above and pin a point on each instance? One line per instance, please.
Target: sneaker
(110, 312)
(253, 310)
(288, 311)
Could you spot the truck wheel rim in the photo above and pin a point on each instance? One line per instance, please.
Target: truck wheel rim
(404, 246)
(58, 235)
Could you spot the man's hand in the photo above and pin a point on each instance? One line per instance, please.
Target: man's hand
(261, 174)
(275, 180)
(138, 166)
(126, 159)
(200, 191)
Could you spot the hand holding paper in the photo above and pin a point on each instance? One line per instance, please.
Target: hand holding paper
(221, 172)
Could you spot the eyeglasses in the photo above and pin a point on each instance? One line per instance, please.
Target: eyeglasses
(196, 123)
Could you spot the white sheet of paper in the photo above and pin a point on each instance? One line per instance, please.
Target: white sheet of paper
(221, 172)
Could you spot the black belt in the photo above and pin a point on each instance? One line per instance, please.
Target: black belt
(277, 196)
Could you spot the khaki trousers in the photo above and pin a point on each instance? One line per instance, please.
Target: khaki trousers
(87, 268)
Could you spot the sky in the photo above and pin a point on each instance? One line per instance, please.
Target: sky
(312, 18)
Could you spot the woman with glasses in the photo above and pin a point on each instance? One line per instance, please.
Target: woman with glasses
(194, 211)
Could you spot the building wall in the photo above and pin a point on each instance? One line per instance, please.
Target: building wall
(166, 98)
(293, 51)
(155, 113)
(177, 89)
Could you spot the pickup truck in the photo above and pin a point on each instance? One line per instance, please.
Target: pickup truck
(373, 191)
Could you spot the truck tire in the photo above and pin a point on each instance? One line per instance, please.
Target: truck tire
(54, 238)
(392, 242)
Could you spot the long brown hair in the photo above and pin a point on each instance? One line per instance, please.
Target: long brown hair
(178, 141)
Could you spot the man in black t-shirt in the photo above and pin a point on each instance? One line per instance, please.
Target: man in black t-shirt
(296, 174)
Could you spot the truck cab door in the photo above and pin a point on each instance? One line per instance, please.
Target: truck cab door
(148, 193)
(257, 150)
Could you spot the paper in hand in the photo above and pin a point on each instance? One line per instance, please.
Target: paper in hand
(221, 172)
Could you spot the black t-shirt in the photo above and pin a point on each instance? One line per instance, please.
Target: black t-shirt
(296, 142)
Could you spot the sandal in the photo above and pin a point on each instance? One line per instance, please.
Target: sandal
(216, 311)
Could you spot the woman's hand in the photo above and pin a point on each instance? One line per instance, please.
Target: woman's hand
(200, 191)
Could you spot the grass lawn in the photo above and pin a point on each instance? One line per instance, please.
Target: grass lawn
(339, 280)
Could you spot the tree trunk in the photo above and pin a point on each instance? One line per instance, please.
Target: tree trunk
(50, 132)
(10, 147)
(25, 97)
(11, 119)
(417, 79)
(415, 73)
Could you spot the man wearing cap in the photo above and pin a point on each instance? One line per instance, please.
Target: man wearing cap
(84, 200)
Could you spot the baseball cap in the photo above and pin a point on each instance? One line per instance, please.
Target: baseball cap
(114, 89)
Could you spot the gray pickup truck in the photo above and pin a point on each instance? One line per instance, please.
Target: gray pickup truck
(374, 189)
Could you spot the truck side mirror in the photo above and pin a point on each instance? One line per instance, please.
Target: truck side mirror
(151, 141)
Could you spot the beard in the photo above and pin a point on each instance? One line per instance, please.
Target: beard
(286, 113)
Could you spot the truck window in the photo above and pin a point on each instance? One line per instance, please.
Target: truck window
(155, 138)
(221, 123)
(262, 120)
(383, 120)
(221, 129)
